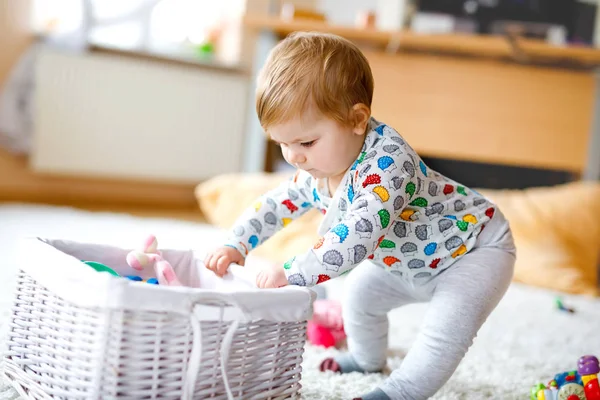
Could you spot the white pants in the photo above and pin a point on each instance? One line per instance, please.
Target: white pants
(461, 298)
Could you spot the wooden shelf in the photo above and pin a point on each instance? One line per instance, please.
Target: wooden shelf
(467, 106)
(488, 46)
(19, 184)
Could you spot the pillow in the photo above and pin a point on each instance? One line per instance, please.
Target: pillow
(557, 233)
(556, 229)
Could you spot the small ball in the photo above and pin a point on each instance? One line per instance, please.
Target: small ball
(134, 278)
(153, 281)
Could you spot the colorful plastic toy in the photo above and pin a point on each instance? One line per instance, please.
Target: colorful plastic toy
(588, 367)
(136, 278)
(101, 267)
(568, 377)
(542, 392)
(562, 307)
(572, 385)
(150, 255)
(326, 327)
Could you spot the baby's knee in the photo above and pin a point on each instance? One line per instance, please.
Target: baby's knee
(448, 344)
(355, 303)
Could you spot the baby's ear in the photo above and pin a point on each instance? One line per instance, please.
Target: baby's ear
(360, 117)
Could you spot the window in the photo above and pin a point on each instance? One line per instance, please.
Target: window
(136, 23)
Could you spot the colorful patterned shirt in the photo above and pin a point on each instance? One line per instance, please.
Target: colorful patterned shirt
(389, 208)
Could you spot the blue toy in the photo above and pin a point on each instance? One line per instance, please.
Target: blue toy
(580, 384)
(104, 269)
(135, 278)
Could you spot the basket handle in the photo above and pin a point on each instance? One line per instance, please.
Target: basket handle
(195, 362)
(225, 351)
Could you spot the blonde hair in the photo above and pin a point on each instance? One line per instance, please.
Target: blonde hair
(318, 69)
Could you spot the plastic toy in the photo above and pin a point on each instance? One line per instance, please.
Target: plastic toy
(588, 368)
(136, 278)
(326, 327)
(101, 267)
(568, 377)
(542, 392)
(150, 255)
(572, 385)
(562, 307)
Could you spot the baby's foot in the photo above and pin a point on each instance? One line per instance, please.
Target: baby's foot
(343, 364)
(376, 394)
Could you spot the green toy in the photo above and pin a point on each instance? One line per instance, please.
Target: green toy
(101, 267)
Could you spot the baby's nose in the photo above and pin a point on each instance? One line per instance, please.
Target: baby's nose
(297, 158)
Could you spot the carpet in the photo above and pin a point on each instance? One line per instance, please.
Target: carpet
(525, 340)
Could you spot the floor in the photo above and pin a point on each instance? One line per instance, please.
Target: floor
(525, 341)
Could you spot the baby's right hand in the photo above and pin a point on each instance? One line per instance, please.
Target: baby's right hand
(218, 260)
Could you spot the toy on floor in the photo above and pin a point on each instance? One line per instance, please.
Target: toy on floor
(562, 307)
(588, 367)
(326, 328)
(573, 385)
(150, 255)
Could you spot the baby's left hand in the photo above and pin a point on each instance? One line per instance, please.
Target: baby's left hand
(272, 276)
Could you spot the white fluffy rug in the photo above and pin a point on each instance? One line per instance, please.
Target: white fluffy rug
(526, 339)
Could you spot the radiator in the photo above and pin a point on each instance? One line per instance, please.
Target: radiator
(108, 116)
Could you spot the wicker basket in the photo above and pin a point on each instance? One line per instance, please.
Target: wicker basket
(78, 334)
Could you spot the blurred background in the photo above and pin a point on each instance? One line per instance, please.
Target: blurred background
(114, 112)
(130, 104)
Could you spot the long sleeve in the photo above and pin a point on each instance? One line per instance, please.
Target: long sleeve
(271, 212)
(379, 187)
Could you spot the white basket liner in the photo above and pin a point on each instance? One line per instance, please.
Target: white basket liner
(57, 265)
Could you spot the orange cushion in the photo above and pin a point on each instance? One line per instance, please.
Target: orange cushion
(556, 229)
(557, 233)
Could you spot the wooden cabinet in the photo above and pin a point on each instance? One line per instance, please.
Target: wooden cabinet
(486, 111)
(476, 98)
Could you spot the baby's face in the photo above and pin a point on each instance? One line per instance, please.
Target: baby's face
(318, 145)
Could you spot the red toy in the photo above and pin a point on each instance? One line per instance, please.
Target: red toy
(581, 384)
(326, 328)
(588, 367)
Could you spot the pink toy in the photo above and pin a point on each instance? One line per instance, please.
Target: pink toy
(149, 254)
(327, 327)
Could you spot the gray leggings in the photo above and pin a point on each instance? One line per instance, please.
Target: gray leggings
(461, 298)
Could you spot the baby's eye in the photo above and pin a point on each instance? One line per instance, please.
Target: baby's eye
(307, 144)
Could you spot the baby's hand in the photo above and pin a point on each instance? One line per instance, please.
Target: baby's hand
(218, 260)
(272, 276)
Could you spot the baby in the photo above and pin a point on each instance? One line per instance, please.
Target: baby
(405, 232)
